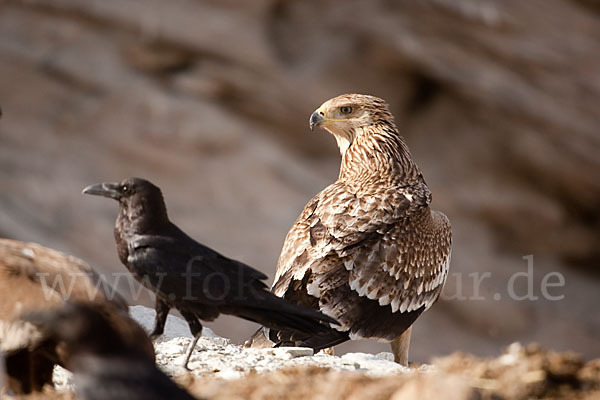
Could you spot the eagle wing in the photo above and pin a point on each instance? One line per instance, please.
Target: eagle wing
(386, 245)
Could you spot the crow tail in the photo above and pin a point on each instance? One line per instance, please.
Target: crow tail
(279, 314)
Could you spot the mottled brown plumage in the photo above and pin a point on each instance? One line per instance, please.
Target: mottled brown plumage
(367, 250)
(34, 278)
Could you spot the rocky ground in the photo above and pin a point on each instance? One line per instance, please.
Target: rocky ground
(519, 373)
(221, 370)
(224, 371)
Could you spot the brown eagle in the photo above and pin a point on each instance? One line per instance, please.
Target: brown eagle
(367, 250)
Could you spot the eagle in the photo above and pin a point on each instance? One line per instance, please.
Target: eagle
(367, 250)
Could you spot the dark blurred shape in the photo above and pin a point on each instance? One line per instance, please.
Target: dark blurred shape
(105, 364)
(3, 383)
(594, 5)
(35, 278)
(196, 280)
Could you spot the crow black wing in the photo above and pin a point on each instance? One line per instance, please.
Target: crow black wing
(192, 275)
(184, 270)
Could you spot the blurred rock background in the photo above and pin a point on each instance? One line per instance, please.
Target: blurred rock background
(499, 103)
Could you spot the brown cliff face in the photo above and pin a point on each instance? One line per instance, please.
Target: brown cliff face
(498, 103)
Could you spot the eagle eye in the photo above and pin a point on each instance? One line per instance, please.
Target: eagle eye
(346, 110)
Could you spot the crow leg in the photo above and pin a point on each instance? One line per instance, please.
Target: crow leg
(196, 329)
(190, 350)
(400, 347)
(162, 311)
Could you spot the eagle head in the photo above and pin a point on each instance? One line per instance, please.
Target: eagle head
(347, 115)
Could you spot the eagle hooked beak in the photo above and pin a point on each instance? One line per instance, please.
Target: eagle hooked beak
(316, 119)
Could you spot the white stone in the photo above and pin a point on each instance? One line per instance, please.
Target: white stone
(289, 352)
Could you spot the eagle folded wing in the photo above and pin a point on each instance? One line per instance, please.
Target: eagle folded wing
(402, 267)
(371, 237)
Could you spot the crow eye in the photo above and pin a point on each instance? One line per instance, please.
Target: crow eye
(346, 110)
(124, 188)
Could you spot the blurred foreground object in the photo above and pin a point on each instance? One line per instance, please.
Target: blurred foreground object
(105, 362)
(519, 373)
(34, 278)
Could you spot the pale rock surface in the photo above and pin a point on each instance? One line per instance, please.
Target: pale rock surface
(221, 359)
(217, 356)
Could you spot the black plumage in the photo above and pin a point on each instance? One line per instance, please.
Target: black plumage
(105, 365)
(196, 280)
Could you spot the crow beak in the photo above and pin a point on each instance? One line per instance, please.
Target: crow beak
(106, 189)
(316, 119)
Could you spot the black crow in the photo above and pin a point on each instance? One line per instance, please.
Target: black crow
(104, 364)
(196, 280)
(35, 278)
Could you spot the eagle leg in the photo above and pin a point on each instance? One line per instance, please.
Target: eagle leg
(400, 347)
